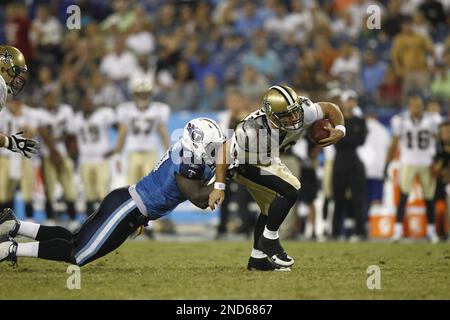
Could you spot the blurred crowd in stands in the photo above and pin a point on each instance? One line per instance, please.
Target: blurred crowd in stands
(195, 49)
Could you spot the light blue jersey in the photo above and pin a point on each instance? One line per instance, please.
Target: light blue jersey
(158, 192)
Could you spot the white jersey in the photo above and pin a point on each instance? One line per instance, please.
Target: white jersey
(142, 125)
(3, 93)
(59, 123)
(248, 137)
(93, 134)
(11, 124)
(417, 142)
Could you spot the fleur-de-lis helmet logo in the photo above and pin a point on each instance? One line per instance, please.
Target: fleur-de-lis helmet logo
(5, 57)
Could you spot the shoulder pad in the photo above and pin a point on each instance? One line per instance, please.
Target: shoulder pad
(250, 131)
(192, 171)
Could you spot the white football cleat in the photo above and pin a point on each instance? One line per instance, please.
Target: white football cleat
(9, 225)
(431, 234)
(8, 251)
(433, 238)
(398, 232)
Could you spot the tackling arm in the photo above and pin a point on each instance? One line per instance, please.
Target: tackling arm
(218, 195)
(194, 190)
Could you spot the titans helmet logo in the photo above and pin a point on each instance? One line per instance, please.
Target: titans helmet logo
(195, 133)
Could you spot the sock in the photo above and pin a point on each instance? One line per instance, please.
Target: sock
(29, 210)
(71, 210)
(302, 225)
(430, 211)
(49, 210)
(325, 209)
(273, 235)
(28, 229)
(55, 232)
(309, 230)
(257, 254)
(57, 250)
(431, 230)
(259, 229)
(279, 209)
(398, 229)
(401, 207)
(28, 249)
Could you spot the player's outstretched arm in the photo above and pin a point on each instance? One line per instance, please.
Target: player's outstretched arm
(333, 113)
(194, 190)
(164, 134)
(46, 135)
(20, 144)
(218, 193)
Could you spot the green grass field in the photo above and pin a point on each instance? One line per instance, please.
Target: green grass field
(216, 270)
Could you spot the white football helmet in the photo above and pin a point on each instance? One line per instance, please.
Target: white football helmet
(203, 137)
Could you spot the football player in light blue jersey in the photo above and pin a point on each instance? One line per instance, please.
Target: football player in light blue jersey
(182, 174)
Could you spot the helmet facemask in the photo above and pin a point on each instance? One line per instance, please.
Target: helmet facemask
(12, 68)
(210, 152)
(17, 81)
(290, 120)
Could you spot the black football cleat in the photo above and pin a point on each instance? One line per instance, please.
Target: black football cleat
(264, 264)
(274, 250)
(9, 225)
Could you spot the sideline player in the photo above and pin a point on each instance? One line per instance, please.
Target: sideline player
(92, 128)
(414, 134)
(12, 68)
(140, 122)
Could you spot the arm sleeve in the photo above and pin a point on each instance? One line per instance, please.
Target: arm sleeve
(311, 112)
(396, 126)
(70, 124)
(437, 121)
(121, 114)
(110, 116)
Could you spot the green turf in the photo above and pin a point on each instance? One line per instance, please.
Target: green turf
(216, 270)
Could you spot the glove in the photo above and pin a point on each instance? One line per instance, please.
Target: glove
(22, 145)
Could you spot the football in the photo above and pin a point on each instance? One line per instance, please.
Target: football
(317, 132)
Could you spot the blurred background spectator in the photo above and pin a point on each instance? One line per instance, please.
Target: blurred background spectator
(312, 44)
